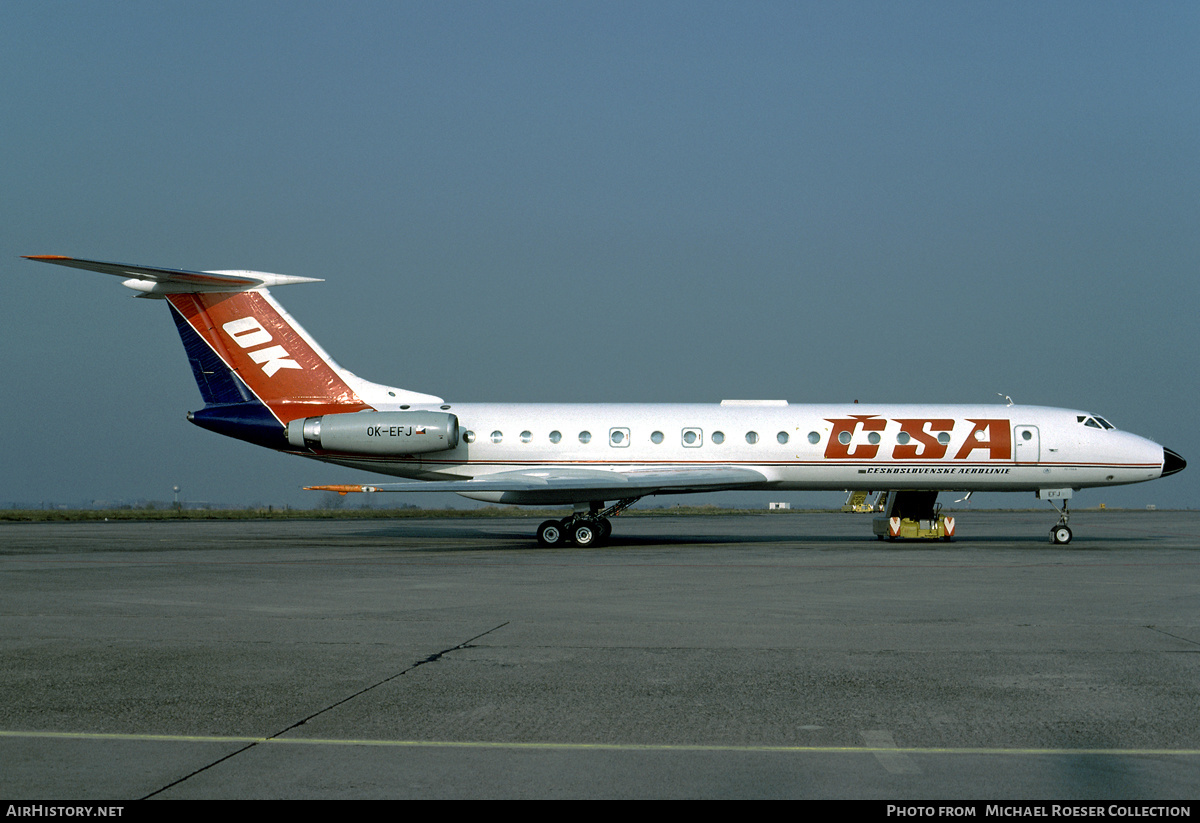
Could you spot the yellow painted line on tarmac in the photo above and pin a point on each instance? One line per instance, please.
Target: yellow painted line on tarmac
(619, 747)
(153, 738)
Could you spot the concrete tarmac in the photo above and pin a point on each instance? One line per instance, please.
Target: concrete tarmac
(781, 655)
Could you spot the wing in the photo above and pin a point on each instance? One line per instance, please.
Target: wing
(551, 486)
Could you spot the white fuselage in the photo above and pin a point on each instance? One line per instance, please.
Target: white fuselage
(800, 447)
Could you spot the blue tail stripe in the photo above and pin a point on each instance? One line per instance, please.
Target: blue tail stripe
(218, 384)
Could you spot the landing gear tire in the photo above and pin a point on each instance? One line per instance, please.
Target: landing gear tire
(1060, 535)
(551, 533)
(586, 534)
(605, 529)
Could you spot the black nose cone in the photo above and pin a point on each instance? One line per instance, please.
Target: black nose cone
(1172, 463)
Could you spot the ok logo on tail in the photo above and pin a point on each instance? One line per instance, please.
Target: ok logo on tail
(247, 332)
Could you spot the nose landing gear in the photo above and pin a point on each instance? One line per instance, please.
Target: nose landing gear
(1061, 533)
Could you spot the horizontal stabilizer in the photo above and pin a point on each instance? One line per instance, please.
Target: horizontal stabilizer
(152, 280)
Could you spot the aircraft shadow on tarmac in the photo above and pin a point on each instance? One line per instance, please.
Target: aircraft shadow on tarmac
(474, 536)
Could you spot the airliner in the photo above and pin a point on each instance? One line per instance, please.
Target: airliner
(264, 380)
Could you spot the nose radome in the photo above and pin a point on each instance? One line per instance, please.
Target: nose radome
(1172, 463)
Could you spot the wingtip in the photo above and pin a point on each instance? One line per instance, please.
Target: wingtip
(46, 257)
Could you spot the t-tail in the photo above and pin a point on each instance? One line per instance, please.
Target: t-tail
(256, 368)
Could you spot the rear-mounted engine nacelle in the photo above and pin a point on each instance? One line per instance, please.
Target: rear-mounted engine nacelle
(376, 432)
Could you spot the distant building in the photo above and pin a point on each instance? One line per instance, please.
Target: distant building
(774, 506)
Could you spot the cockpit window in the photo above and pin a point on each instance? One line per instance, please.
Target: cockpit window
(1094, 422)
(1105, 423)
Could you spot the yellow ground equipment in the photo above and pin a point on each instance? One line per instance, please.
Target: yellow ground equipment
(857, 501)
(913, 516)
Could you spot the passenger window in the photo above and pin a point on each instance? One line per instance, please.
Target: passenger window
(497, 437)
(526, 436)
(751, 437)
(656, 438)
(618, 438)
(692, 438)
(814, 438)
(718, 437)
(585, 437)
(555, 436)
(469, 436)
(782, 437)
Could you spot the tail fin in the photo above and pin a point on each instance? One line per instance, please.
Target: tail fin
(256, 368)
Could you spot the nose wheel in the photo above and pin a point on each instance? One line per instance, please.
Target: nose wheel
(1060, 534)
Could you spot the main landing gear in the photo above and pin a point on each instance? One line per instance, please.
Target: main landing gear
(588, 531)
(584, 528)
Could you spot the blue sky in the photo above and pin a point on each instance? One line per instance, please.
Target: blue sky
(895, 202)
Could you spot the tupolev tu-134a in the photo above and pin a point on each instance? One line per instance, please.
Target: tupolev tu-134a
(266, 381)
